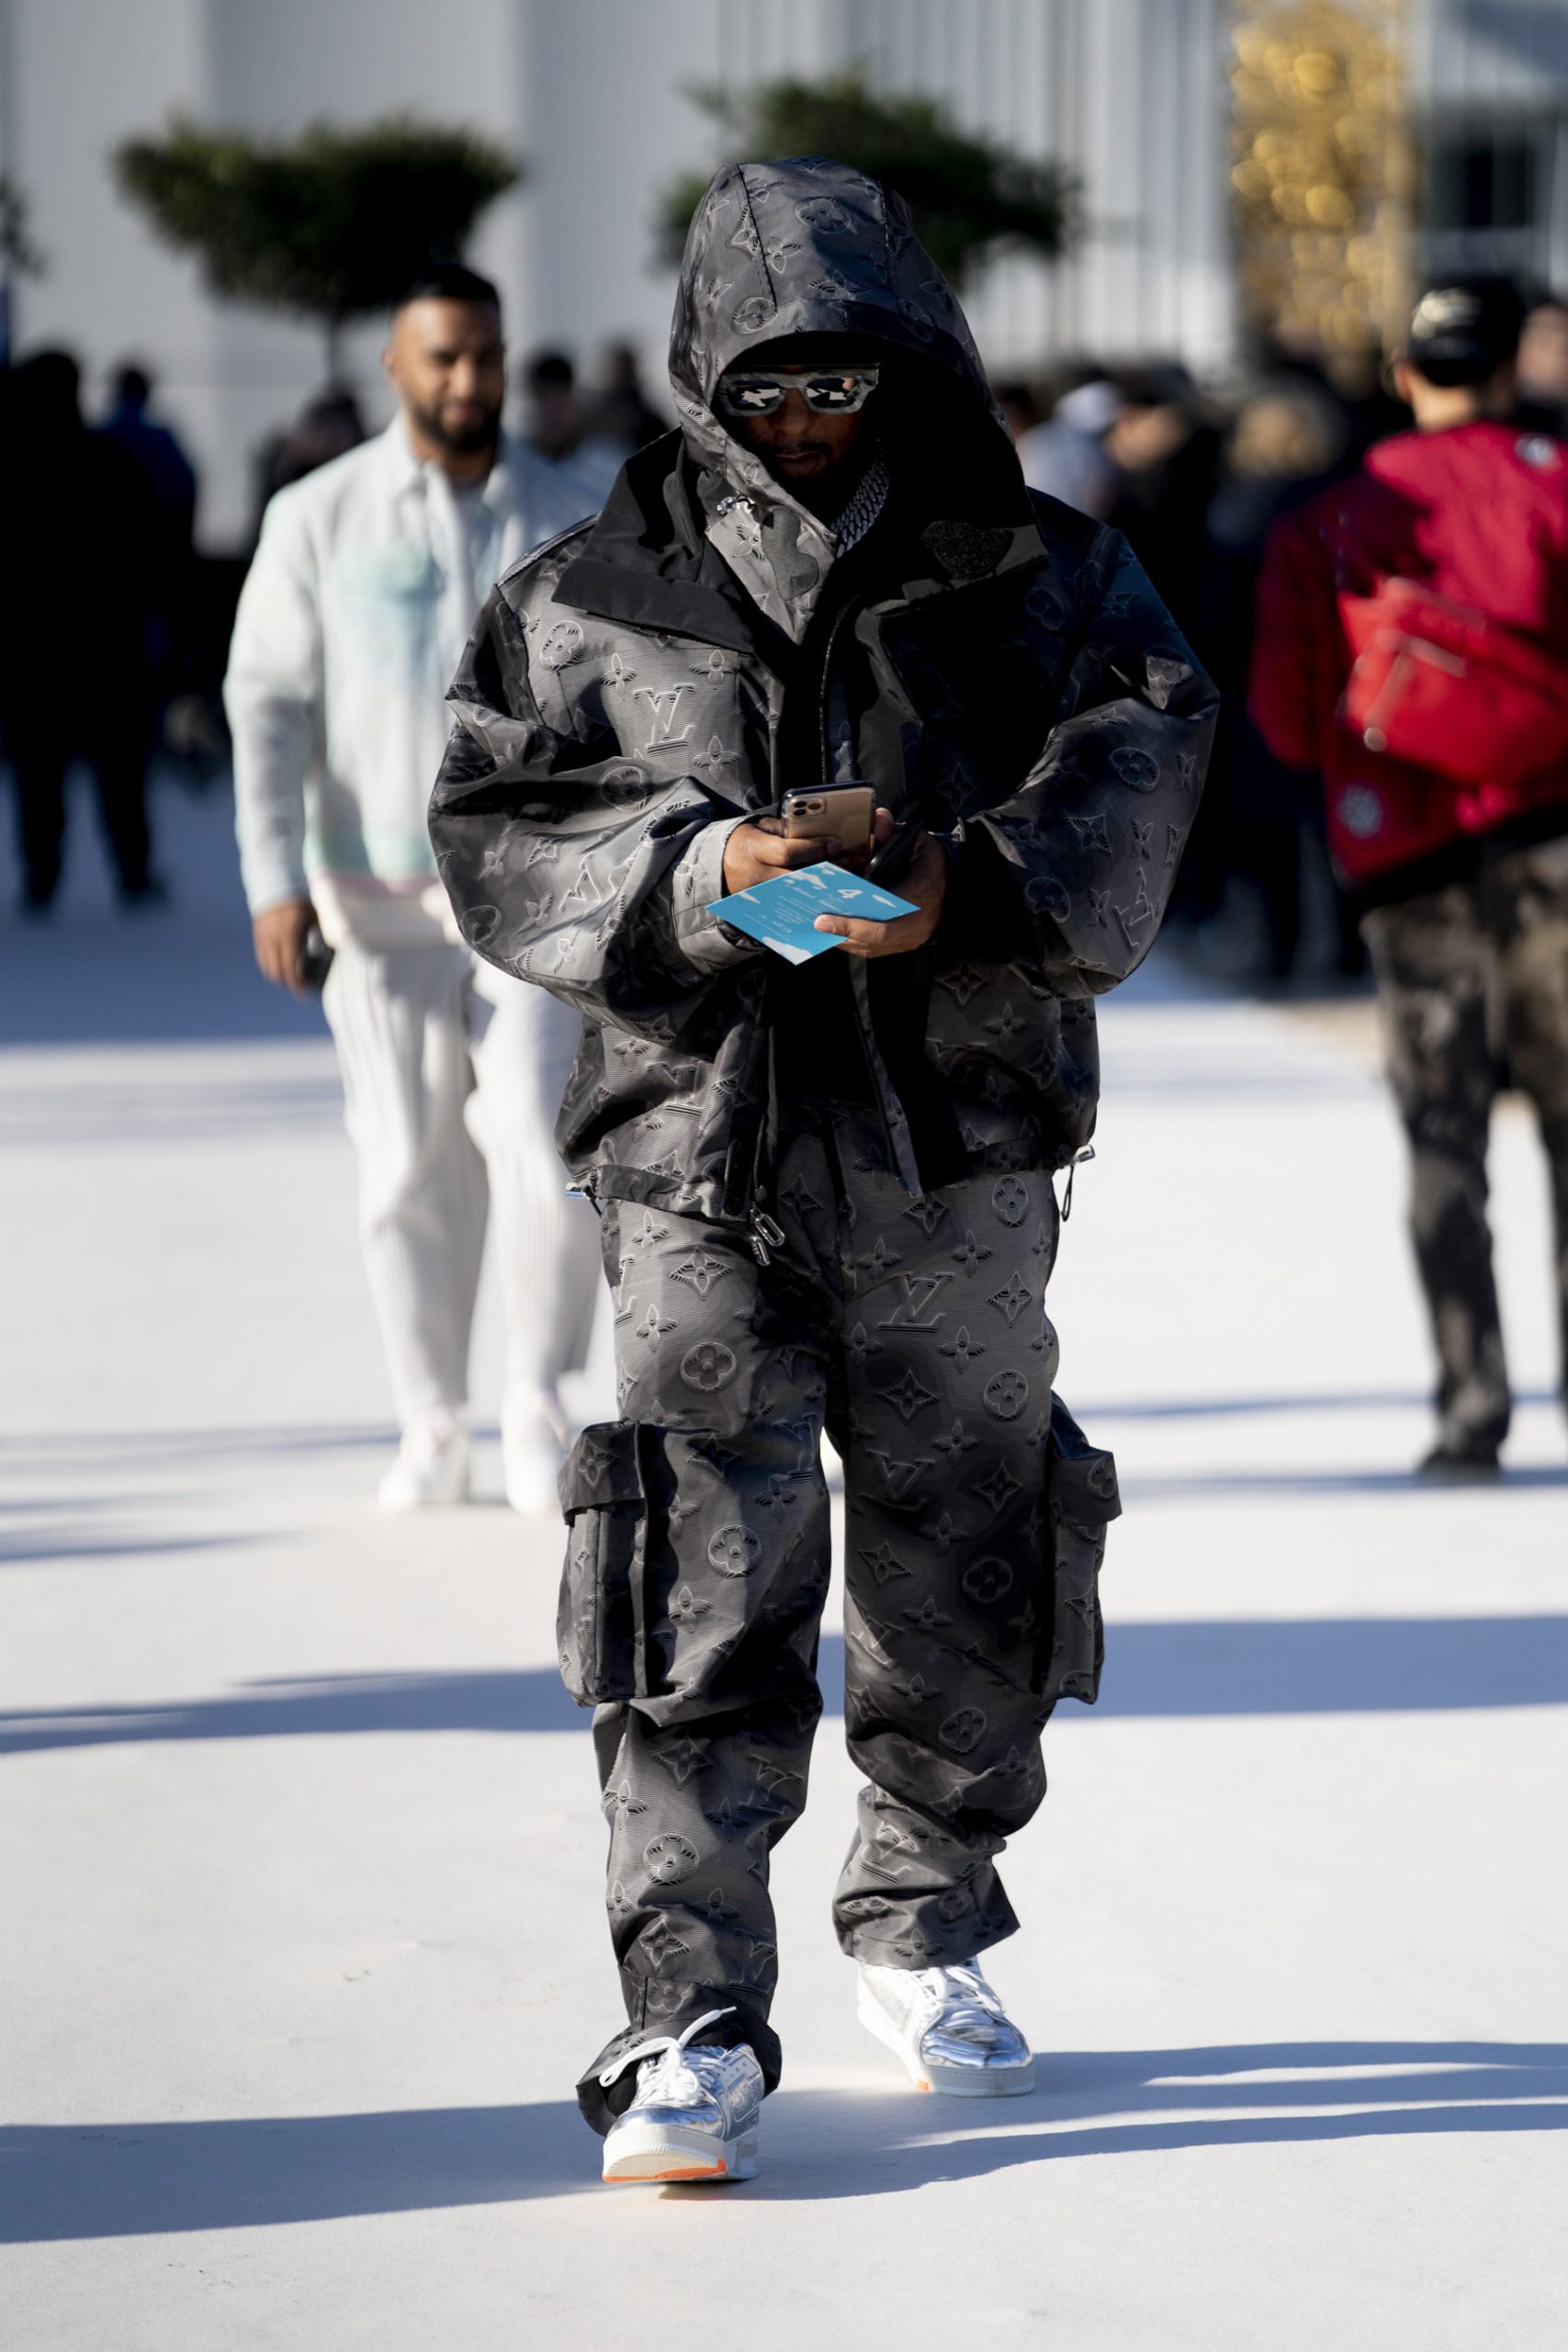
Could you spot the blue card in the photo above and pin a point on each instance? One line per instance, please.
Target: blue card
(780, 912)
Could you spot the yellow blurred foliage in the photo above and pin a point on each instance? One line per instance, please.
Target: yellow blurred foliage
(1321, 169)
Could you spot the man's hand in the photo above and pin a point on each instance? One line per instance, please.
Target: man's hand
(757, 853)
(924, 880)
(279, 936)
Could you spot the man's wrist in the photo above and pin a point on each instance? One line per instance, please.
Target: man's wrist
(272, 901)
(696, 880)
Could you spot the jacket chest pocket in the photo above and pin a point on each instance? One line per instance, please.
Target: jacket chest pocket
(1081, 1500)
(600, 1632)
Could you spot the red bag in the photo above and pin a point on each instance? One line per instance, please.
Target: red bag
(1441, 686)
(1433, 725)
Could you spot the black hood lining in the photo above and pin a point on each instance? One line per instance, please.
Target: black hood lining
(648, 561)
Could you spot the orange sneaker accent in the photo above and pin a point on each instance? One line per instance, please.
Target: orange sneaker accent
(676, 2172)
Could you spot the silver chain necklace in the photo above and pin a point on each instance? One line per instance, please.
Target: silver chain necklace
(870, 498)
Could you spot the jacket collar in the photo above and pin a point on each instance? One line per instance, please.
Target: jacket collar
(649, 560)
(404, 470)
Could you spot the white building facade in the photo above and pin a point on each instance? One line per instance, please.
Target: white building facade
(1491, 86)
(1131, 95)
(596, 95)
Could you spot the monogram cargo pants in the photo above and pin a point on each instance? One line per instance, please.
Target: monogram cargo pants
(914, 1331)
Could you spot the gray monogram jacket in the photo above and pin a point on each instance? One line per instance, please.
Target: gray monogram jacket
(1001, 671)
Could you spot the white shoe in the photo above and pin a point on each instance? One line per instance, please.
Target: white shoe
(949, 2028)
(696, 2112)
(431, 1468)
(531, 1457)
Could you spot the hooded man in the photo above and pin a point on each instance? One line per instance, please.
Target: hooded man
(826, 1189)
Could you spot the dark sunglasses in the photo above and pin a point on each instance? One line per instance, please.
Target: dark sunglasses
(759, 391)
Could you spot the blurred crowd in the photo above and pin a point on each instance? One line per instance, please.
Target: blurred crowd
(82, 490)
(99, 527)
(1196, 482)
(1194, 478)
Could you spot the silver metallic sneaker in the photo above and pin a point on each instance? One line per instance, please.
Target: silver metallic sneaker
(695, 2115)
(949, 2028)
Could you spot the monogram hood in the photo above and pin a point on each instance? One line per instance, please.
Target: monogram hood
(807, 247)
(811, 247)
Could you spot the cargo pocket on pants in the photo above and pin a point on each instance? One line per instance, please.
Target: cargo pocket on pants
(1080, 1503)
(599, 1629)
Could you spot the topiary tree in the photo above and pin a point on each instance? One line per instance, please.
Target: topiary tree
(332, 224)
(969, 197)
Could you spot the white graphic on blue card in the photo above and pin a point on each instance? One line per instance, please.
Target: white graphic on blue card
(783, 913)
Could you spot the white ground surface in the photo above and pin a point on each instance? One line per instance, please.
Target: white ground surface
(301, 1855)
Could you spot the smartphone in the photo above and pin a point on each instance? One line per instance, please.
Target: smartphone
(315, 961)
(832, 812)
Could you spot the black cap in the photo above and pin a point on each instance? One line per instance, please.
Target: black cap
(1465, 329)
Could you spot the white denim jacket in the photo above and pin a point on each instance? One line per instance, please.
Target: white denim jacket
(352, 622)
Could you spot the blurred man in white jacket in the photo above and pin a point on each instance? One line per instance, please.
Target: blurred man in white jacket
(365, 587)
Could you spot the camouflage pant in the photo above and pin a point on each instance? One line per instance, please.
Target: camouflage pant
(1473, 981)
(915, 1331)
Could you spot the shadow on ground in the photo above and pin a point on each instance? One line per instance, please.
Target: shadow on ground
(31, 1546)
(524, 1699)
(1350, 1400)
(128, 2179)
(1529, 1479)
(1279, 1667)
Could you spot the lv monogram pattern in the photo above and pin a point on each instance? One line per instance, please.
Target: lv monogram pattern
(916, 1332)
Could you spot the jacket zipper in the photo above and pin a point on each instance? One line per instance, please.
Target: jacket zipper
(763, 1234)
(834, 626)
(900, 1147)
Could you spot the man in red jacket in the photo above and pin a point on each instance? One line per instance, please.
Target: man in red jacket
(1412, 648)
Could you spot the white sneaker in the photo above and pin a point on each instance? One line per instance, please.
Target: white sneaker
(695, 2116)
(531, 1456)
(949, 2028)
(431, 1468)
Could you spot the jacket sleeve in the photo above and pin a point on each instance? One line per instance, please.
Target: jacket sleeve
(1284, 686)
(572, 870)
(1075, 868)
(272, 694)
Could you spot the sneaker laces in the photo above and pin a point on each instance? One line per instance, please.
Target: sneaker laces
(961, 1996)
(671, 2071)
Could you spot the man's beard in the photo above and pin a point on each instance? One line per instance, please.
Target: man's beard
(468, 442)
(820, 493)
(826, 494)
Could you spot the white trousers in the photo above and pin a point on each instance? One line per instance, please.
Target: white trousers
(452, 1078)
